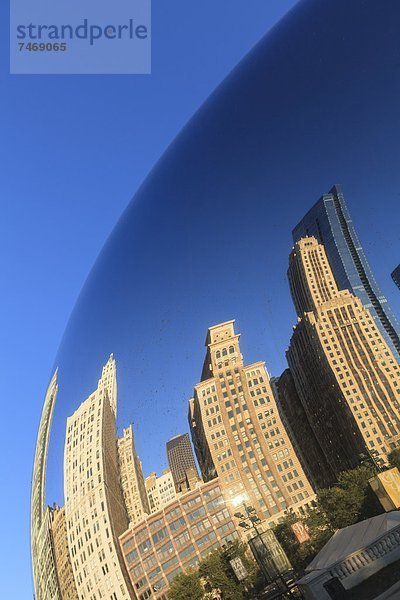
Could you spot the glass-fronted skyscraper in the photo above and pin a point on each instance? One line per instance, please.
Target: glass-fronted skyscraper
(330, 222)
(396, 276)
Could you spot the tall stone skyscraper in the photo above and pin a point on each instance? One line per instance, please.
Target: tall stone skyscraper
(238, 433)
(132, 479)
(396, 276)
(181, 462)
(330, 223)
(94, 506)
(43, 560)
(344, 371)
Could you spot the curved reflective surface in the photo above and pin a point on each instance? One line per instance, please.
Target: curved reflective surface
(205, 240)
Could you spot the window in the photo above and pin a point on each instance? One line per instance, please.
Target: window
(177, 524)
(193, 516)
(144, 546)
(131, 556)
(159, 535)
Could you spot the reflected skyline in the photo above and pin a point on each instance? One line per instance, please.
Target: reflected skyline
(205, 243)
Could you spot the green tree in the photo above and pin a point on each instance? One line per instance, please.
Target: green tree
(186, 585)
(394, 458)
(351, 500)
(300, 555)
(217, 571)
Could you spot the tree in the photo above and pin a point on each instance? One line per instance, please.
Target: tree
(351, 500)
(217, 571)
(186, 585)
(300, 555)
(394, 458)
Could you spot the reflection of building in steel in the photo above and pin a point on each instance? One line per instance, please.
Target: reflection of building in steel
(181, 462)
(94, 506)
(302, 436)
(396, 276)
(132, 480)
(160, 490)
(176, 538)
(108, 381)
(238, 433)
(43, 562)
(61, 553)
(345, 374)
(330, 223)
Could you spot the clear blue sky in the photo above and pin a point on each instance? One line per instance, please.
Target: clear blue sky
(73, 151)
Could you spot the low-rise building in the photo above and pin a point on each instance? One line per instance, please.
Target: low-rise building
(175, 538)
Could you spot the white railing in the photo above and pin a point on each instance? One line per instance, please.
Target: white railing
(384, 550)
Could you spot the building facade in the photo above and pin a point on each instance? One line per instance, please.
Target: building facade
(42, 548)
(330, 223)
(62, 557)
(94, 506)
(175, 539)
(301, 434)
(132, 480)
(396, 276)
(238, 433)
(182, 463)
(345, 374)
(160, 490)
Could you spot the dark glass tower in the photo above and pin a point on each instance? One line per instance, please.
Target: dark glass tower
(181, 462)
(396, 276)
(330, 222)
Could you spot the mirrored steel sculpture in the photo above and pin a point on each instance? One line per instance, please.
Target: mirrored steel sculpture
(151, 452)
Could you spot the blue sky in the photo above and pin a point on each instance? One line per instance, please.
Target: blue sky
(73, 151)
(207, 236)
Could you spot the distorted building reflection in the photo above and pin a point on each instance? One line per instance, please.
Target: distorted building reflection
(329, 221)
(238, 433)
(132, 480)
(181, 462)
(345, 374)
(43, 560)
(175, 538)
(160, 490)
(94, 504)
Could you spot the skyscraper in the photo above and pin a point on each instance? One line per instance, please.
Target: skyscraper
(301, 434)
(344, 371)
(132, 479)
(181, 462)
(43, 560)
(94, 506)
(330, 223)
(396, 276)
(238, 433)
